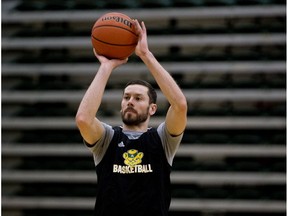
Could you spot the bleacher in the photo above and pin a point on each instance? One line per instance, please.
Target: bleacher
(228, 56)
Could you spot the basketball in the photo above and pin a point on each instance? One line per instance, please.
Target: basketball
(114, 36)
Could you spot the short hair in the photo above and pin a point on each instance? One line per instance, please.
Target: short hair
(151, 91)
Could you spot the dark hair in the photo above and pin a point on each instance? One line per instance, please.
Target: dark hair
(151, 91)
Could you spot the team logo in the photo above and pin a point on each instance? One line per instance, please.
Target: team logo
(132, 160)
(133, 157)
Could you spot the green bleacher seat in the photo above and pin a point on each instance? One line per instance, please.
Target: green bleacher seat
(44, 136)
(257, 164)
(155, 3)
(58, 189)
(245, 165)
(208, 112)
(46, 86)
(278, 138)
(46, 82)
(58, 5)
(86, 58)
(219, 2)
(282, 2)
(276, 83)
(57, 212)
(183, 163)
(246, 139)
(49, 55)
(215, 138)
(275, 110)
(88, 4)
(230, 192)
(253, 2)
(215, 193)
(248, 111)
(51, 30)
(26, 33)
(44, 109)
(57, 163)
(247, 193)
(114, 4)
(279, 166)
(198, 84)
(188, 192)
(211, 166)
(34, 5)
(31, 5)
(190, 137)
(187, 3)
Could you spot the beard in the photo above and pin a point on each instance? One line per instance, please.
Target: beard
(133, 119)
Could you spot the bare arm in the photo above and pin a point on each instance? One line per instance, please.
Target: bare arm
(176, 117)
(90, 127)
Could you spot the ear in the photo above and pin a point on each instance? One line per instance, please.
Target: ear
(152, 109)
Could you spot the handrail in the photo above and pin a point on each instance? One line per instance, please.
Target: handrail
(60, 123)
(146, 14)
(231, 67)
(154, 41)
(185, 149)
(176, 204)
(114, 96)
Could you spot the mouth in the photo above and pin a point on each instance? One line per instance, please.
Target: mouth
(130, 110)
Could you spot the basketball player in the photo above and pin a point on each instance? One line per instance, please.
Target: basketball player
(133, 161)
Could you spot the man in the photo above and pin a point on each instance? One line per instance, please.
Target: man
(133, 161)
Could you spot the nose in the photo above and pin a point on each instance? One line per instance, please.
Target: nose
(130, 102)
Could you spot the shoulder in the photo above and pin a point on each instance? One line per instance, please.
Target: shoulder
(105, 138)
(170, 143)
(100, 147)
(163, 132)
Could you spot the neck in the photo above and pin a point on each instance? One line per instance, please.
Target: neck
(138, 128)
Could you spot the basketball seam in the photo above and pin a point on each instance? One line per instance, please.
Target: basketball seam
(112, 43)
(115, 27)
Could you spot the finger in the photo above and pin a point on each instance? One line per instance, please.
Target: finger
(138, 27)
(95, 53)
(143, 27)
(136, 22)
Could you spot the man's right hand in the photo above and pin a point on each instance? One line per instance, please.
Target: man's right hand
(113, 62)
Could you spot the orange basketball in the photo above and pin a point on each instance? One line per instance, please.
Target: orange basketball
(113, 36)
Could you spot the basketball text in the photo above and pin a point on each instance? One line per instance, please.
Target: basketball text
(118, 19)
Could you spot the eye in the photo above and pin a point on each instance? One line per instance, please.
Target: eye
(126, 97)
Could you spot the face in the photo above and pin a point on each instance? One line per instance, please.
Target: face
(135, 107)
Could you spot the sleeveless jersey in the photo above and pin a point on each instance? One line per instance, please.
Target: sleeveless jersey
(133, 177)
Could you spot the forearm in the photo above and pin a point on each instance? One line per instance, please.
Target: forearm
(92, 99)
(90, 127)
(164, 80)
(176, 117)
